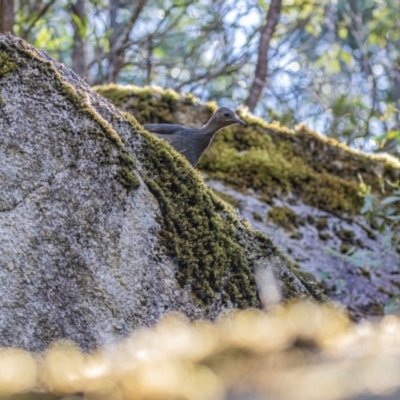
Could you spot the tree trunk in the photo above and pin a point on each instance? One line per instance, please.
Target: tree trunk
(6, 16)
(267, 32)
(113, 69)
(79, 50)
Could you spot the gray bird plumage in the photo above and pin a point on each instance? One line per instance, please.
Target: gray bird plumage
(192, 142)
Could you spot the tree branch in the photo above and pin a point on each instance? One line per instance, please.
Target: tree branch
(267, 32)
(39, 15)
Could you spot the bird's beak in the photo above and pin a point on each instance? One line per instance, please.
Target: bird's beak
(240, 121)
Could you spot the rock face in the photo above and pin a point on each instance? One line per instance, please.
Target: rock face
(103, 228)
(298, 188)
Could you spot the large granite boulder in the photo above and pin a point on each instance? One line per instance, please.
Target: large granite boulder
(104, 228)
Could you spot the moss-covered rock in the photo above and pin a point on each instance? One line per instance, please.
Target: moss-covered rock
(305, 184)
(270, 159)
(103, 227)
(199, 228)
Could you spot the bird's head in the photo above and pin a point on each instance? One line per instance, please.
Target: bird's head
(225, 117)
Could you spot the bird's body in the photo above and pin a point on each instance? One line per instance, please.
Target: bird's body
(192, 142)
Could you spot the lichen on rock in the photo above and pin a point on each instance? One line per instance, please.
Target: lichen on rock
(7, 64)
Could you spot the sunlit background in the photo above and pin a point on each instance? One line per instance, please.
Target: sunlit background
(333, 64)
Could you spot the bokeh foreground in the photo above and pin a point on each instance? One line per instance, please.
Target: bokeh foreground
(301, 351)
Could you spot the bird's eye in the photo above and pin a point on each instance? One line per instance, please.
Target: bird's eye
(226, 114)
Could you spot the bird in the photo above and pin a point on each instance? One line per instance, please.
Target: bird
(192, 142)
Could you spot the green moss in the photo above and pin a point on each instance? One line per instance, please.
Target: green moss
(322, 223)
(344, 248)
(7, 64)
(324, 236)
(1, 100)
(125, 175)
(189, 98)
(200, 230)
(150, 104)
(346, 235)
(198, 227)
(283, 216)
(127, 178)
(226, 197)
(257, 216)
(247, 158)
(127, 159)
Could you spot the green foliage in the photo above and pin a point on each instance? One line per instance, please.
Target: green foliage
(359, 258)
(345, 55)
(384, 213)
(381, 212)
(331, 64)
(392, 306)
(47, 30)
(362, 259)
(82, 24)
